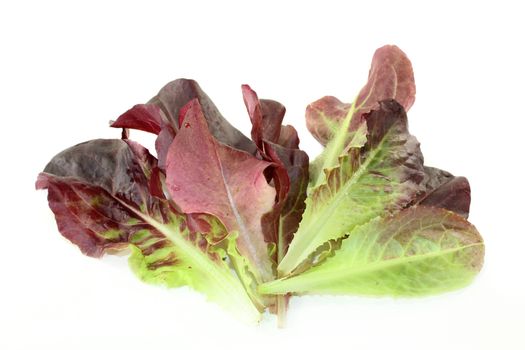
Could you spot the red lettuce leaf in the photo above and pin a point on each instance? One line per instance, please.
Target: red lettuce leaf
(296, 164)
(444, 190)
(145, 117)
(163, 142)
(161, 116)
(288, 137)
(289, 175)
(93, 186)
(120, 167)
(206, 176)
(99, 193)
(90, 188)
(390, 77)
(95, 220)
(266, 117)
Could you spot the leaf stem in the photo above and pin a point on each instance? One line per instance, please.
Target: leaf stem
(281, 310)
(282, 301)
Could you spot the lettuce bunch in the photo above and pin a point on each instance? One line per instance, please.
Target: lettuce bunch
(251, 222)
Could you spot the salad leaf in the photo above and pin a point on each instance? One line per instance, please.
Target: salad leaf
(328, 119)
(231, 186)
(352, 133)
(177, 94)
(162, 114)
(418, 251)
(444, 190)
(145, 117)
(290, 173)
(266, 117)
(288, 137)
(390, 77)
(379, 178)
(295, 162)
(324, 116)
(99, 192)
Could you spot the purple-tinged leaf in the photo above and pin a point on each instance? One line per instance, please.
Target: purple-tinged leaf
(164, 110)
(272, 116)
(91, 217)
(295, 162)
(280, 145)
(444, 190)
(145, 117)
(290, 184)
(122, 168)
(205, 176)
(99, 193)
(163, 142)
(324, 116)
(390, 77)
(266, 117)
(288, 137)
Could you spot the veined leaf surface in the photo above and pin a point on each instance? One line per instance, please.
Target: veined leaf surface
(418, 251)
(205, 176)
(379, 178)
(99, 192)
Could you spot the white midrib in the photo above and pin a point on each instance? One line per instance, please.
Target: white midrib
(231, 289)
(244, 232)
(394, 93)
(233, 205)
(184, 246)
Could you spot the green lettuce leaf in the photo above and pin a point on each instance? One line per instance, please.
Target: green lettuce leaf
(352, 133)
(203, 267)
(419, 251)
(381, 177)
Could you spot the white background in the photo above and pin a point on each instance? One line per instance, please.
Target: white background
(67, 68)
